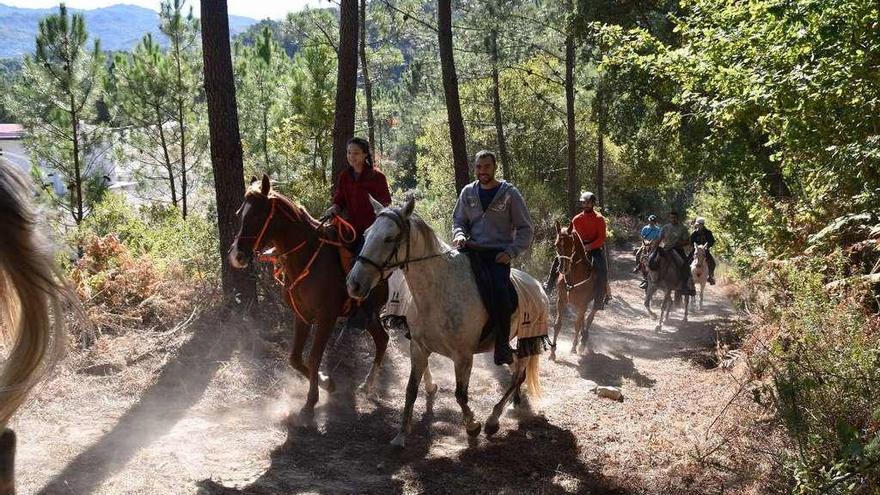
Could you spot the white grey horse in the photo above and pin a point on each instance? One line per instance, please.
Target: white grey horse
(450, 316)
(667, 277)
(700, 269)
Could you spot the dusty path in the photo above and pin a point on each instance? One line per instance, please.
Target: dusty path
(207, 414)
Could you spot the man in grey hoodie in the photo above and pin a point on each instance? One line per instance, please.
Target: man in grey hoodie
(491, 218)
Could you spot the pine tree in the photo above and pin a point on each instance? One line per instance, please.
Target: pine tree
(226, 156)
(183, 34)
(261, 75)
(346, 83)
(145, 104)
(56, 101)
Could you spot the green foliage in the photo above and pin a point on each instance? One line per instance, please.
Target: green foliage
(56, 99)
(262, 74)
(825, 369)
(159, 233)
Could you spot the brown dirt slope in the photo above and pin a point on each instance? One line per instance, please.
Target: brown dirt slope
(203, 410)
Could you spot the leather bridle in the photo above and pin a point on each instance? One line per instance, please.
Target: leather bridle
(572, 262)
(403, 225)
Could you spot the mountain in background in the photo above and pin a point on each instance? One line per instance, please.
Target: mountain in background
(119, 27)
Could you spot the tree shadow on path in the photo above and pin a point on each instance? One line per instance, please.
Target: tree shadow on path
(180, 385)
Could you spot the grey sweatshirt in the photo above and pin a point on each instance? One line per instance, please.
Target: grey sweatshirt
(504, 225)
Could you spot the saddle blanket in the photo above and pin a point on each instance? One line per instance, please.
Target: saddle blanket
(531, 318)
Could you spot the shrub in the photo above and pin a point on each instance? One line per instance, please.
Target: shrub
(824, 370)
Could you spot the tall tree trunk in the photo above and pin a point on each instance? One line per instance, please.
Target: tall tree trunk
(569, 117)
(182, 125)
(496, 105)
(600, 167)
(450, 89)
(346, 84)
(226, 154)
(168, 165)
(368, 84)
(77, 193)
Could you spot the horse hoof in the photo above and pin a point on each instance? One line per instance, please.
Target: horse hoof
(306, 418)
(553, 355)
(474, 429)
(399, 441)
(491, 428)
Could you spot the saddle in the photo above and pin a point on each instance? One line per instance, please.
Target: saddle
(338, 234)
(529, 321)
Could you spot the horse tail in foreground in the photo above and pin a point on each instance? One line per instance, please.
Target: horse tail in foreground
(532, 366)
(31, 323)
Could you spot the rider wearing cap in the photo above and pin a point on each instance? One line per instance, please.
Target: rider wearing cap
(590, 226)
(651, 232)
(701, 235)
(674, 236)
(492, 220)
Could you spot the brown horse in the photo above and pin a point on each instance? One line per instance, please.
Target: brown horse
(574, 285)
(308, 262)
(31, 323)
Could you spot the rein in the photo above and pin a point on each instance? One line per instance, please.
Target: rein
(568, 285)
(342, 227)
(403, 225)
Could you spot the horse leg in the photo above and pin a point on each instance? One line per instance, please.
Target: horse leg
(430, 386)
(561, 303)
(322, 334)
(462, 378)
(7, 462)
(702, 288)
(516, 380)
(585, 342)
(664, 308)
(649, 294)
(300, 335)
(418, 358)
(578, 326)
(687, 300)
(380, 338)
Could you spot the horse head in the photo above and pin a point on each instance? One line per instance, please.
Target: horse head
(382, 244)
(566, 246)
(700, 251)
(266, 218)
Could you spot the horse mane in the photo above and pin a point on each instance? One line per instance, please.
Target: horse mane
(433, 244)
(297, 210)
(31, 291)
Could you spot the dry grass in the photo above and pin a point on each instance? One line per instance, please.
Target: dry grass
(148, 411)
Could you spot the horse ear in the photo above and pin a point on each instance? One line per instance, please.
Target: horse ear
(266, 185)
(558, 227)
(377, 206)
(409, 206)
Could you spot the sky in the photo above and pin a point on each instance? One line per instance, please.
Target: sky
(257, 9)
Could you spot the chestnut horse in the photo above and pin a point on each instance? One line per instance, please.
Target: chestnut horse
(574, 285)
(308, 262)
(31, 323)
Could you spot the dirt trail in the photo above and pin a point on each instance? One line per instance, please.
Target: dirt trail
(207, 415)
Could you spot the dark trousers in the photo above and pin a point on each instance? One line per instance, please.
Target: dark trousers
(499, 306)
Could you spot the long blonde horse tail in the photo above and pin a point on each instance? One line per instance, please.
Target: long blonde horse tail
(31, 291)
(533, 376)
